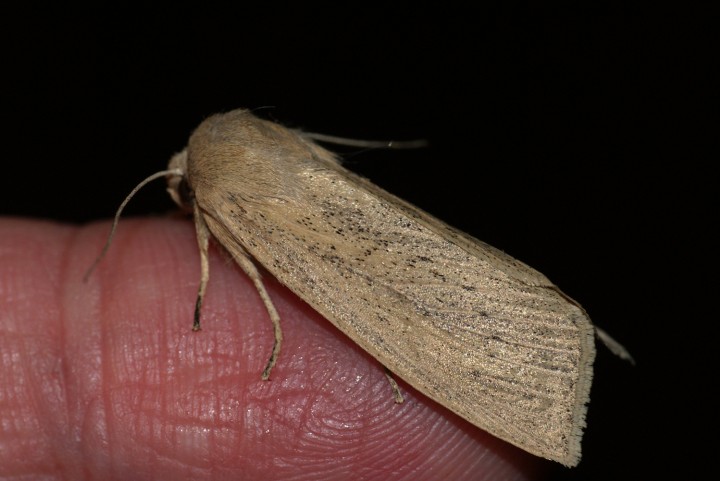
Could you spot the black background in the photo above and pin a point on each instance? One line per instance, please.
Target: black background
(554, 135)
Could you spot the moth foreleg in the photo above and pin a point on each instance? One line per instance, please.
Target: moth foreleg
(203, 236)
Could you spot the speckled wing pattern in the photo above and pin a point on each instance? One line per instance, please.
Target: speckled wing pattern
(479, 332)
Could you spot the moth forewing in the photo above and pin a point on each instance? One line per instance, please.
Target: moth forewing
(479, 332)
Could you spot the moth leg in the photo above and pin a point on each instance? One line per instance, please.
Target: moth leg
(399, 399)
(248, 266)
(203, 235)
(614, 346)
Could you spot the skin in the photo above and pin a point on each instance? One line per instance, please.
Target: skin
(106, 380)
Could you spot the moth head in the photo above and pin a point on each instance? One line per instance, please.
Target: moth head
(178, 187)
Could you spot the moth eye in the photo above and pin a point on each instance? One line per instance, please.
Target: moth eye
(187, 196)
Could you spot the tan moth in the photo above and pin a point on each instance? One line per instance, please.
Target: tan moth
(479, 332)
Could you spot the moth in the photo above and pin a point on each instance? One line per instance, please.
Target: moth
(472, 328)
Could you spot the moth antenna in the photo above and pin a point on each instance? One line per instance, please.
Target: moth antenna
(370, 144)
(142, 184)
